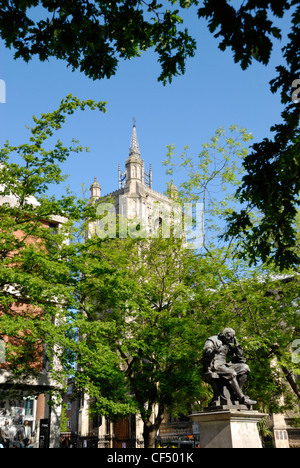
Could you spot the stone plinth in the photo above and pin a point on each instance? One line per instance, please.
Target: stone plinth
(229, 428)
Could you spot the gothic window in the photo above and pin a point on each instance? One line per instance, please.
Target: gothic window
(107, 426)
(158, 223)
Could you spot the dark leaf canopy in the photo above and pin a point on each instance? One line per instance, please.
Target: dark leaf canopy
(93, 36)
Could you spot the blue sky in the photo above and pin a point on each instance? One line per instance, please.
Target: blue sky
(214, 91)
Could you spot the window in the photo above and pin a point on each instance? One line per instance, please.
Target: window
(107, 426)
(97, 421)
(53, 227)
(2, 352)
(28, 408)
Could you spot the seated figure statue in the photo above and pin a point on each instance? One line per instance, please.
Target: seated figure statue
(227, 377)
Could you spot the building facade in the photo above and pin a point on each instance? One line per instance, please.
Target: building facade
(27, 401)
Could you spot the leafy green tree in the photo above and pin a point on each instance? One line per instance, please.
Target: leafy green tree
(36, 286)
(271, 182)
(94, 36)
(149, 305)
(259, 303)
(144, 334)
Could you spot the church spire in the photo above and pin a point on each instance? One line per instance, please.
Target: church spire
(135, 169)
(134, 144)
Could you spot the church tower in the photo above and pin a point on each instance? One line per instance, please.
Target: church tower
(135, 199)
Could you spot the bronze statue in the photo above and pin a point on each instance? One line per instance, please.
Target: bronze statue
(227, 377)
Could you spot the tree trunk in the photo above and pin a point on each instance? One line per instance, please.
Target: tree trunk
(150, 429)
(149, 434)
(292, 380)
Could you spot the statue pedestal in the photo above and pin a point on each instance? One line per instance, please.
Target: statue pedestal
(229, 428)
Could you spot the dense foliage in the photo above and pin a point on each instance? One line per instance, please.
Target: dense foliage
(93, 36)
(127, 318)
